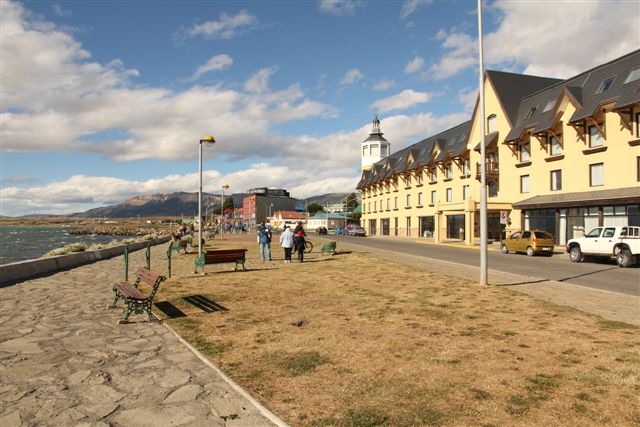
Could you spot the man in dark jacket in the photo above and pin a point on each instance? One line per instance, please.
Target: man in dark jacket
(264, 240)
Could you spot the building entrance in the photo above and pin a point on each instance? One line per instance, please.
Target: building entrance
(384, 223)
(455, 227)
(372, 227)
(495, 230)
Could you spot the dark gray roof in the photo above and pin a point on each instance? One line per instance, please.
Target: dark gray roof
(492, 138)
(376, 137)
(583, 88)
(452, 143)
(585, 198)
(511, 88)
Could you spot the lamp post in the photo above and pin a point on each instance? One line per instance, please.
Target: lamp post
(209, 140)
(225, 186)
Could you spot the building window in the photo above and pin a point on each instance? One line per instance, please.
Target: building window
(524, 183)
(638, 124)
(556, 180)
(408, 200)
(395, 184)
(555, 146)
(388, 203)
(596, 174)
(633, 76)
(448, 171)
(375, 206)
(395, 202)
(365, 149)
(523, 151)
(493, 189)
(491, 123)
(466, 169)
(549, 106)
(606, 85)
(369, 208)
(433, 195)
(433, 175)
(374, 150)
(531, 112)
(407, 180)
(449, 194)
(408, 226)
(465, 192)
(420, 199)
(384, 150)
(595, 137)
(419, 178)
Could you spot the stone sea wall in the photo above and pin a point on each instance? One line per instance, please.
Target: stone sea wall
(22, 270)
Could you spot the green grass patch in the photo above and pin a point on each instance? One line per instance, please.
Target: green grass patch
(299, 363)
(614, 324)
(208, 348)
(585, 397)
(365, 417)
(480, 394)
(431, 417)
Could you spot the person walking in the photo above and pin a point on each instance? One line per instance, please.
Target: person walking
(286, 240)
(300, 246)
(264, 240)
(298, 229)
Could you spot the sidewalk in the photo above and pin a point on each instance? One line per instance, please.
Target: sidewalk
(64, 360)
(609, 305)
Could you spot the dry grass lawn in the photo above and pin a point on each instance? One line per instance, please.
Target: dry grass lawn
(351, 340)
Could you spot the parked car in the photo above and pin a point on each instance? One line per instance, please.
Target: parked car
(321, 230)
(355, 230)
(623, 243)
(531, 242)
(339, 230)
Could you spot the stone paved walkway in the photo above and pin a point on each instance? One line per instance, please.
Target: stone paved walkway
(64, 360)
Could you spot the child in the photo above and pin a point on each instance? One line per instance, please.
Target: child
(300, 246)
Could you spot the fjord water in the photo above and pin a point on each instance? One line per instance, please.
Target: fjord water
(21, 243)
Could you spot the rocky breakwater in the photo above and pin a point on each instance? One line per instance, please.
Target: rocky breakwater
(106, 229)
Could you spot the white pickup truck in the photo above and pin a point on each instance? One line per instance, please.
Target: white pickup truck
(620, 242)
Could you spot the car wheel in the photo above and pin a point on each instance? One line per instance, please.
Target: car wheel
(530, 251)
(624, 258)
(504, 249)
(575, 254)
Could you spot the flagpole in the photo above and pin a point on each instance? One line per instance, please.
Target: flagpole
(483, 164)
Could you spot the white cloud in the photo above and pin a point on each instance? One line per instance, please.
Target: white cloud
(59, 11)
(351, 76)
(467, 97)
(554, 40)
(340, 7)
(382, 85)
(414, 65)
(259, 82)
(403, 100)
(226, 27)
(410, 6)
(216, 63)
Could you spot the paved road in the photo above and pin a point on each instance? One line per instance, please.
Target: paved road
(597, 275)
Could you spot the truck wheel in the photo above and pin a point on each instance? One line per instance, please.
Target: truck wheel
(625, 259)
(504, 249)
(575, 254)
(530, 251)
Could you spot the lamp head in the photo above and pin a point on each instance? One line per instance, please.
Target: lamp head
(225, 186)
(209, 139)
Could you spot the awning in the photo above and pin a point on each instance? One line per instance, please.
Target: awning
(616, 196)
(490, 139)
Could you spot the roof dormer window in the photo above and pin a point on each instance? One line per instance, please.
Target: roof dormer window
(606, 85)
(633, 76)
(549, 106)
(531, 112)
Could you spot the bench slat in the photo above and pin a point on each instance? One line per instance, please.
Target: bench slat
(129, 291)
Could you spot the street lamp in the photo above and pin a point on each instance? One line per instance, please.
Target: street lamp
(208, 140)
(225, 186)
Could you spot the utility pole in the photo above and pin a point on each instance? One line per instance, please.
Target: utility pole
(483, 164)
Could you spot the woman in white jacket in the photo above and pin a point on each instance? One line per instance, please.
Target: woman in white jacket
(286, 240)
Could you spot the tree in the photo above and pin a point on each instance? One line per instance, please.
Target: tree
(314, 208)
(352, 202)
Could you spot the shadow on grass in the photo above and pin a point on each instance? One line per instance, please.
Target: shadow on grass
(169, 310)
(204, 303)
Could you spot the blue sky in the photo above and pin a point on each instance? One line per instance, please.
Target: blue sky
(103, 100)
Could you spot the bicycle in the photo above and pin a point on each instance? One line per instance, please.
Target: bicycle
(308, 246)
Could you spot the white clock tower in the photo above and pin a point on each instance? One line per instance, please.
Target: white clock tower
(375, 147)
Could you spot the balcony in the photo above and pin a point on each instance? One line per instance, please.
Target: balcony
(492, 171)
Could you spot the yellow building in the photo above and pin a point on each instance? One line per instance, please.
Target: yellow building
(561, 155)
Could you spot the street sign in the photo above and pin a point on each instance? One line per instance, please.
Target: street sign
(503, 217)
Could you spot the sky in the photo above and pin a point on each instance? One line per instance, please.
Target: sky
(104, 100)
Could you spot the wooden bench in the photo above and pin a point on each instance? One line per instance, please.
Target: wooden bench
(220, 256)
(136, 301)
(329, 248)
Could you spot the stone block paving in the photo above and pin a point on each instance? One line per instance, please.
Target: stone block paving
(64, 360)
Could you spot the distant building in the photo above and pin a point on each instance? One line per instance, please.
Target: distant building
(327, 220)
(260, 203)
(290, 218)
(336, 208)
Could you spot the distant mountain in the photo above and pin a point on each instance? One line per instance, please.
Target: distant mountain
(41, 216)
(164, 204)
(329, 198)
